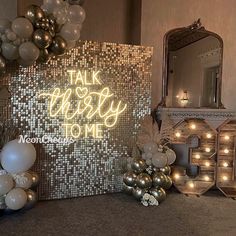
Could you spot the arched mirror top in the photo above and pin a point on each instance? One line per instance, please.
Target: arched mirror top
(192, 71)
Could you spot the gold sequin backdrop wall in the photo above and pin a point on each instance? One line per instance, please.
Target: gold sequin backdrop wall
(90, 165)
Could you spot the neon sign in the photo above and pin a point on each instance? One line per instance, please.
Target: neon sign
(83, 99)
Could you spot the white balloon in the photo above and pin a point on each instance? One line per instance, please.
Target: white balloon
(159, 160)
(4, 24)
(22, 27)
(70, 32)
(11, 36)
(150, 147)
(17, 157)
(16, 199)
(23, 180)
(10, 51)
(50, 5)
(28, 51)
(76, 14)
(171, 156)
(6, 184)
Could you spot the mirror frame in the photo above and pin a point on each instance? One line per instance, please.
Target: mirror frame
(196, 26)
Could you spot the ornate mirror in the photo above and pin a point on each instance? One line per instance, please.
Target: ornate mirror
(192, 68)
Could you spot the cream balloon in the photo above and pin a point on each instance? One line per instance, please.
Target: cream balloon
(50, 5)
(17, 157)
(171, 156)
(22, 27)
(10, 51)
(76, 14)
(23, 180)
(28, 51)
(16, 199)
(159, 160)
(70, 32)
(6, 184)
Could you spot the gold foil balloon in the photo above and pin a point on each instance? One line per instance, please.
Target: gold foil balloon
(129, 178)
(138, 192)
(2, 65)
(35, 179)
(138, 165)
(144, 181)
(43, 56)
(127, 189)
(158, 179)
(166, 170)
(34, 13)
(168, 183)
(31, 199)
(42, 38)
(58, 46)
(158, 193)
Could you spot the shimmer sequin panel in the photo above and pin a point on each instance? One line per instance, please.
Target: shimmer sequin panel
(82, 112)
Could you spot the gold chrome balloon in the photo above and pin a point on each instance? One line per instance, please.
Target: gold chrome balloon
(144, 181)
(58, 46)
(138, 165)
(158, 193)
(42, 38)
(34, 13)
(138, 193)
(129, 178)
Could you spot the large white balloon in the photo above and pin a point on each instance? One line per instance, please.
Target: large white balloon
(6, 184)
(16, 199)
(70, 32)
(76, 14)
(4, 24)
(17, 157)
(22, 27)
(10, 51)
(28, 51)
(23, 180)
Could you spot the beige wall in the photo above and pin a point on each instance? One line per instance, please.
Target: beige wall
(8, 9)
(160, 16)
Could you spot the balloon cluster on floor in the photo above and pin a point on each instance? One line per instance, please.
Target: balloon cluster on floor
(16, 181)
(43, 32)
(148, 175)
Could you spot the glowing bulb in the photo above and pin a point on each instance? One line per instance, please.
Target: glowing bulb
(226, 137)
(208, 135)
(177, 96)
(191, 185)
(193, 126)
(225, 164)
(226, 151)
(207, 163)
(176, 176)
(225, 178)
(206, 178)
(177, 134)
(207, 149)
(197, 156)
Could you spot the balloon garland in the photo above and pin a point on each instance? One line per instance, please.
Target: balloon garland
(43, 32)
(16, 181)
(148, 174)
